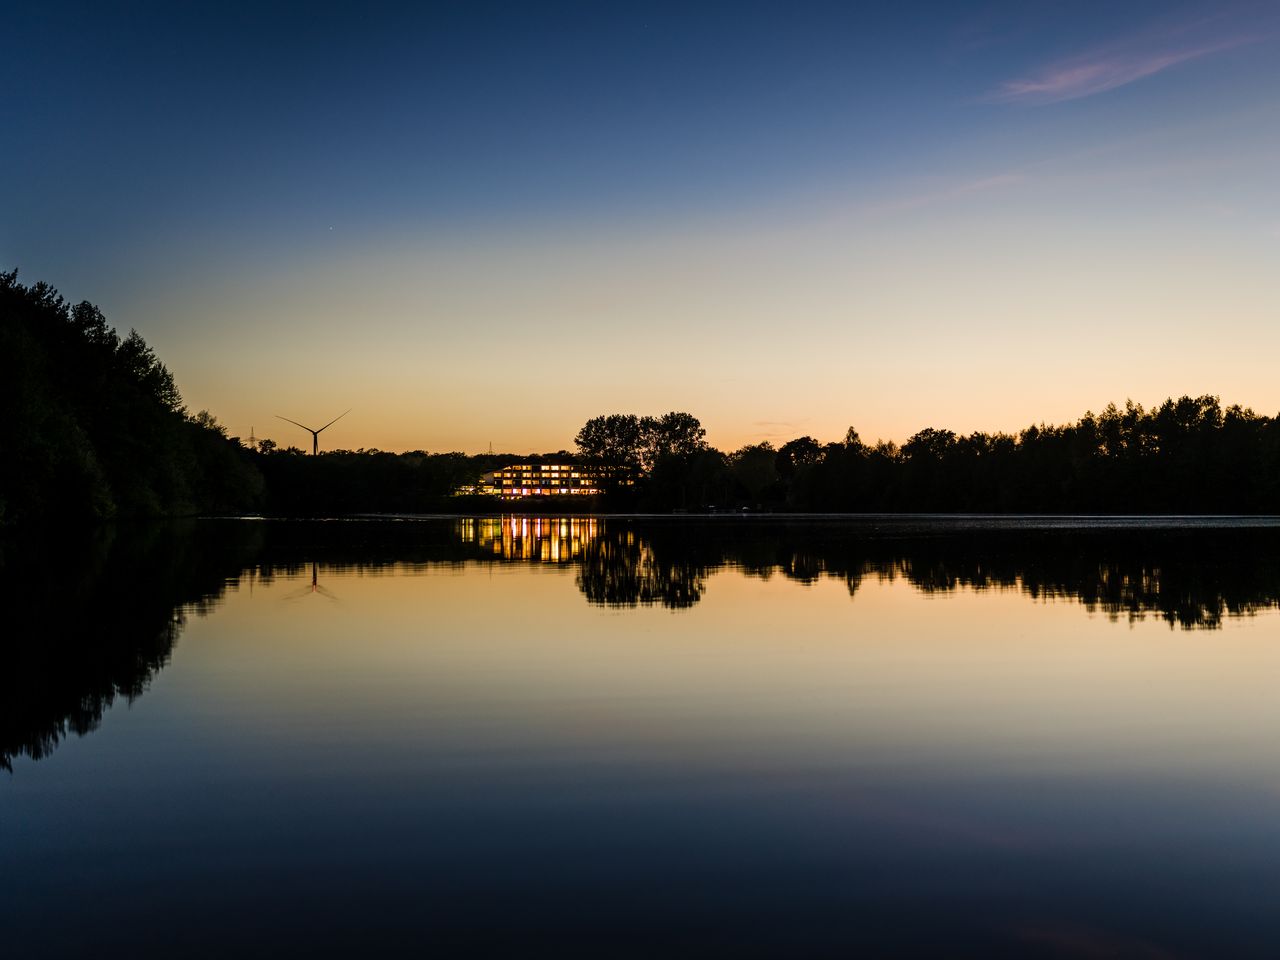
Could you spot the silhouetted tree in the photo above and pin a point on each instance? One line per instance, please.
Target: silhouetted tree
(616, 440)
(754, 467)
(795, 455)
(94, 424)
(670, 435)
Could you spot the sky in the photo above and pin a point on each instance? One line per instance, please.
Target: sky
(481, 224)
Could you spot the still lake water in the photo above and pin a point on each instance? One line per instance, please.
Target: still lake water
(612, 737)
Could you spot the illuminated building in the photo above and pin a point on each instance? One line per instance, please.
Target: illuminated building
(545, 480)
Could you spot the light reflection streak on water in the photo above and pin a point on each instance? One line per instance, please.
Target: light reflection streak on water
(546, 539)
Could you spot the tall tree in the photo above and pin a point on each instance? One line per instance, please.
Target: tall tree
(673, 434)
(615, 440)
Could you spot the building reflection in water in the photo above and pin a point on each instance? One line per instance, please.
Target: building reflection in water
(615, 568)
(543, 539)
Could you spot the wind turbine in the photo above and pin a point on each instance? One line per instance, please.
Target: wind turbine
(315, 434)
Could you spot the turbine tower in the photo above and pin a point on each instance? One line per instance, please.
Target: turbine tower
(315, 434)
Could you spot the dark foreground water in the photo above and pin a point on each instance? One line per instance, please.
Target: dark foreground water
(614, 738)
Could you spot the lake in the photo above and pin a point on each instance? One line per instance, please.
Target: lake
(630, 737)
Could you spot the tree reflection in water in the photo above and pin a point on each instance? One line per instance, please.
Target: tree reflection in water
(1188, 578)
(624, 570)
(91, 619)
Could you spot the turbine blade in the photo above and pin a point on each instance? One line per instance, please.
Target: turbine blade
(295, 423)
(336, 419)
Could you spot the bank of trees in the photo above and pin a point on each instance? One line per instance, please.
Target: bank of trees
(365, 481)
(1189, 455)
(94, 426)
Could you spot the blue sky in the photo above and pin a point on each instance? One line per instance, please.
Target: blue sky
(785, 218)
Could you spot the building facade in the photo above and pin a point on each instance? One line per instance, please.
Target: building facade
(546, 480)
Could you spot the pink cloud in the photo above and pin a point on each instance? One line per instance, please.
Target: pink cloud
(1097, 73)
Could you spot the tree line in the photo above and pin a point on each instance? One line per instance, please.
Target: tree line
(95, 428)
(1189, 455)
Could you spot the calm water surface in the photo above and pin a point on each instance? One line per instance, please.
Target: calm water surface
(638, 738)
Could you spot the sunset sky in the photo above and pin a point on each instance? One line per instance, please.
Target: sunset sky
(486, 223)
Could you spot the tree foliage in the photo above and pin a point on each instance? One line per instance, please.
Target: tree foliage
(626, 440)
(94, 425)
(1189, 455)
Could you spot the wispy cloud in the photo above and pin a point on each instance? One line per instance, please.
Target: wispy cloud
(778, 428)
(949, 191)
(1100, 71)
